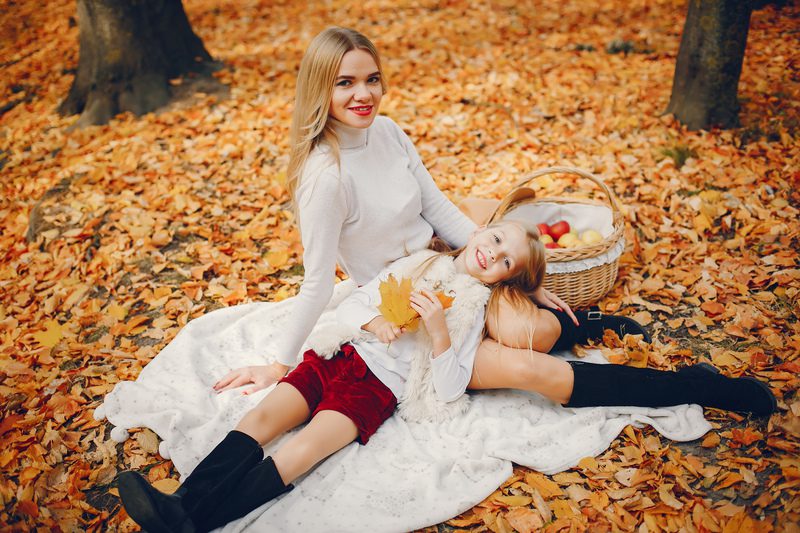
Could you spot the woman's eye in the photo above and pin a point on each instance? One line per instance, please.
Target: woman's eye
(343, 83)
(374, 79)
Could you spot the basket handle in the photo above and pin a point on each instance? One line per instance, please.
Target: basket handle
(521, 191)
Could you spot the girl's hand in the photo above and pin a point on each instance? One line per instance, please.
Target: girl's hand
(546, 298)
(260, 376)
(432, 313)
(383, 329)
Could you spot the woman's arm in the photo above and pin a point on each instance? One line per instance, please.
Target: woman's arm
(322, 207)
(322, 212)
(447, 220)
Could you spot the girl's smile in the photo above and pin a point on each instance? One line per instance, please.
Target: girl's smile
(481, 259)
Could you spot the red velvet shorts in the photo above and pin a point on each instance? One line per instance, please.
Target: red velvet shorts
(346, 385)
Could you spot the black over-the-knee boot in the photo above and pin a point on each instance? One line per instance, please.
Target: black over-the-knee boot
(598, 385)
(594, 323)
(260, 485)
(194, 501)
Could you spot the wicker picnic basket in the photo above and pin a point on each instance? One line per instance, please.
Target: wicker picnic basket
(582, 275)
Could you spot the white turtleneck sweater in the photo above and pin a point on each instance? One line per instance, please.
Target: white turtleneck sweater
(379, 204)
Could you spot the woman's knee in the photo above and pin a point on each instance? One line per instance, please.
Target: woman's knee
(498, 366)
(512, 326)
(522, 363)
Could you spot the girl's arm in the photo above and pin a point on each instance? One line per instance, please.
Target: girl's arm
(360, 311)
(451, 366)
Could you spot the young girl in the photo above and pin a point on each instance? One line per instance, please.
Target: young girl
(350, 395)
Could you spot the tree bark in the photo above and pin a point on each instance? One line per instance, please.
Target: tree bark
(709, 63)
(129, 50)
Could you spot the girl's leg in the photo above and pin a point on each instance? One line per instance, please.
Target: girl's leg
(196, 503)
(328, 432)
(279, 411)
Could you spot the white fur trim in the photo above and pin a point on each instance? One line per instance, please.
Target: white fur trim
(420, 401)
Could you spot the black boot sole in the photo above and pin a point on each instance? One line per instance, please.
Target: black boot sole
(761, 385)
(139, 499)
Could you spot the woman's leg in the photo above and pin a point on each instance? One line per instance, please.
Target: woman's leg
(328, 432)
(579, 384)
(500, 367)
(479, 210)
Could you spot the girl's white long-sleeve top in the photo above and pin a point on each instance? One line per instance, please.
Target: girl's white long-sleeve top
(379, 204)
(451, 370)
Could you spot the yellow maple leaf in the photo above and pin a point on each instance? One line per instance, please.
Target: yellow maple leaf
(395, 303)
(51, 335)
(117, 311)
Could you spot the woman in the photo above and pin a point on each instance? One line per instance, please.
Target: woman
(364, 198)
(362, 195)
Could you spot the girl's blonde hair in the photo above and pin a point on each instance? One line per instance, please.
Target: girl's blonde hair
(519, 288)
(318, 71)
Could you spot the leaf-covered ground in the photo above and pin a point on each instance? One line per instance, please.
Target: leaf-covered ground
(114, 237)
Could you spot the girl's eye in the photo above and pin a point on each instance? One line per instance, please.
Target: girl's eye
(343, 83)
(496, 238)
(374, 79)
(508, 264)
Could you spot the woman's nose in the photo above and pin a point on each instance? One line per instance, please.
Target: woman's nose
(362, 93)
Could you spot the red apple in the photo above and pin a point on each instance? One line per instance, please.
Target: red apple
(544, 229)
(558, 229)
(552, 245)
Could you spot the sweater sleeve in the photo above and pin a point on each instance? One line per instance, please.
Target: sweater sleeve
(322, 212)
(361, 306)
(447, 220)
(452, 369)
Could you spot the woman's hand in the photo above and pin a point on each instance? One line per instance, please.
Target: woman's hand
(260, 376)
(430, 309)
(546, 298)
(383, 329)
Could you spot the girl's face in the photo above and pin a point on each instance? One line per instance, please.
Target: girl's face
(496, 253)
(357, 90)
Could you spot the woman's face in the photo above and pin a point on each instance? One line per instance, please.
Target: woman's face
(357, 90)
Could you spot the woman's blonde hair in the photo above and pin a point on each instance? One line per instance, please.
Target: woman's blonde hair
(318, 71)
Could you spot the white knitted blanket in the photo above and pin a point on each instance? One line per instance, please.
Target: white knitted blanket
(410, 475)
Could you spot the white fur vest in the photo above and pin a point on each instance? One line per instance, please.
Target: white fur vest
(419, 401)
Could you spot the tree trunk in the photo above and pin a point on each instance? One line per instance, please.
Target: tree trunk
(129, 50)
(709, 63)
